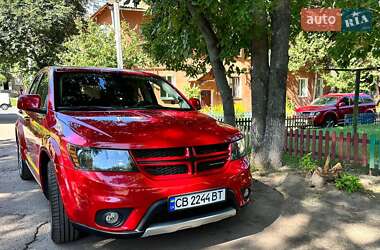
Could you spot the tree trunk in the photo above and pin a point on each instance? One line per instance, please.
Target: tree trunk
(259, 85)
(216, 63)
(275, 120)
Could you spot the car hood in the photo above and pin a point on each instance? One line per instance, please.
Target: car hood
(314, 108)
(146, 129)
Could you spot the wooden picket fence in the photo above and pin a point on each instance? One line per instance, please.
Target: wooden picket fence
(245, 123)
(345, 148)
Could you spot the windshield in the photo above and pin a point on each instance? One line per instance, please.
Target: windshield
(331, 100)
(102, 91)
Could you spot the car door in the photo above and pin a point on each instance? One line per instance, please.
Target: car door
(35, 125)
(345, 109)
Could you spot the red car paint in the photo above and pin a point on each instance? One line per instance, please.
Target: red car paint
(335, 112)
(45, 136)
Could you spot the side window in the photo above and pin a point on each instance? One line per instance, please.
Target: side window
(164, 95)
(33, 87)
(346, 101)
(42, 90)
(368, 100)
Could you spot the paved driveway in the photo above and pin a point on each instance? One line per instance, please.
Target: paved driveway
(290, 216)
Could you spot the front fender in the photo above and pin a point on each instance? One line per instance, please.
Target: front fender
(62, 163)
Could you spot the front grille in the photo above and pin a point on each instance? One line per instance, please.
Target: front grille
(167, 170)
(176, 161)
(209, 149)
(156, 153)
(210, 165)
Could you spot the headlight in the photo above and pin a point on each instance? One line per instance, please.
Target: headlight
(314, 113)
(238, 149)
(96, 159)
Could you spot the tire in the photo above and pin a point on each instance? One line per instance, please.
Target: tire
(62, 230)
(4, 106)
(329, 122)
(23, 169)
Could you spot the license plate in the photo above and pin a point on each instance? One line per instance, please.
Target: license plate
(196, 199)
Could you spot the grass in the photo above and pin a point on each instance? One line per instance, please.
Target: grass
(14, 101)
(370, 129)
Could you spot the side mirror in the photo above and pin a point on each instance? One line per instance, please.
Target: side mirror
(195, 103)
(29, 102)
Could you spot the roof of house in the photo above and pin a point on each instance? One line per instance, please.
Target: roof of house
(142, 7)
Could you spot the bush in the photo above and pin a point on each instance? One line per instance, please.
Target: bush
(217, 110)
(348, 183)
(307, 163)
(192, 91)
(290, 107)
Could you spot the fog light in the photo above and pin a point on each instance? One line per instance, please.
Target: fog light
(111, 217)
(114, 217)
(246, 192)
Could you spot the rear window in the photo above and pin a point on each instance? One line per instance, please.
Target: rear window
(93, 91)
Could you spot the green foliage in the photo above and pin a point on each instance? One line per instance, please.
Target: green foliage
(307, 163)
(310, 51)
(32, 31)
(290, 107)
(14, 101)
(217, 110)
(290, 161)
(319, 51)
(94, 45)
(192, 91)
(345, 80)
(174, 39)
(348, 183)
(3, 78)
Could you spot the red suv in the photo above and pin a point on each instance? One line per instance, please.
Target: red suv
(330, 109)
(123, 153)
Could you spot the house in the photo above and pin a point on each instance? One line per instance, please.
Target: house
(302, 88)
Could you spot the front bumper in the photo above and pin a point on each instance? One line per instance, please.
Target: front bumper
(173, 226)
(165, 227)
(85, 193)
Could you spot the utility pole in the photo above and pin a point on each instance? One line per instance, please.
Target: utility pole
(356, 102)
(116, 26)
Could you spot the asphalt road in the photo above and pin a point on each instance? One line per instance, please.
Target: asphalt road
(288, 217)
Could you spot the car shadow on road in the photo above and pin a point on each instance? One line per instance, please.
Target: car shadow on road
(254, 218)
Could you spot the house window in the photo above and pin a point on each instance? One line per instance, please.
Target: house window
(235, 85)
(319, 87)
(163, 93)
(303, 87)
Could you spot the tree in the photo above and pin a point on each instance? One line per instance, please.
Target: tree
(94, 45)
(192, 35)
(271, 30)
(32, 31)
